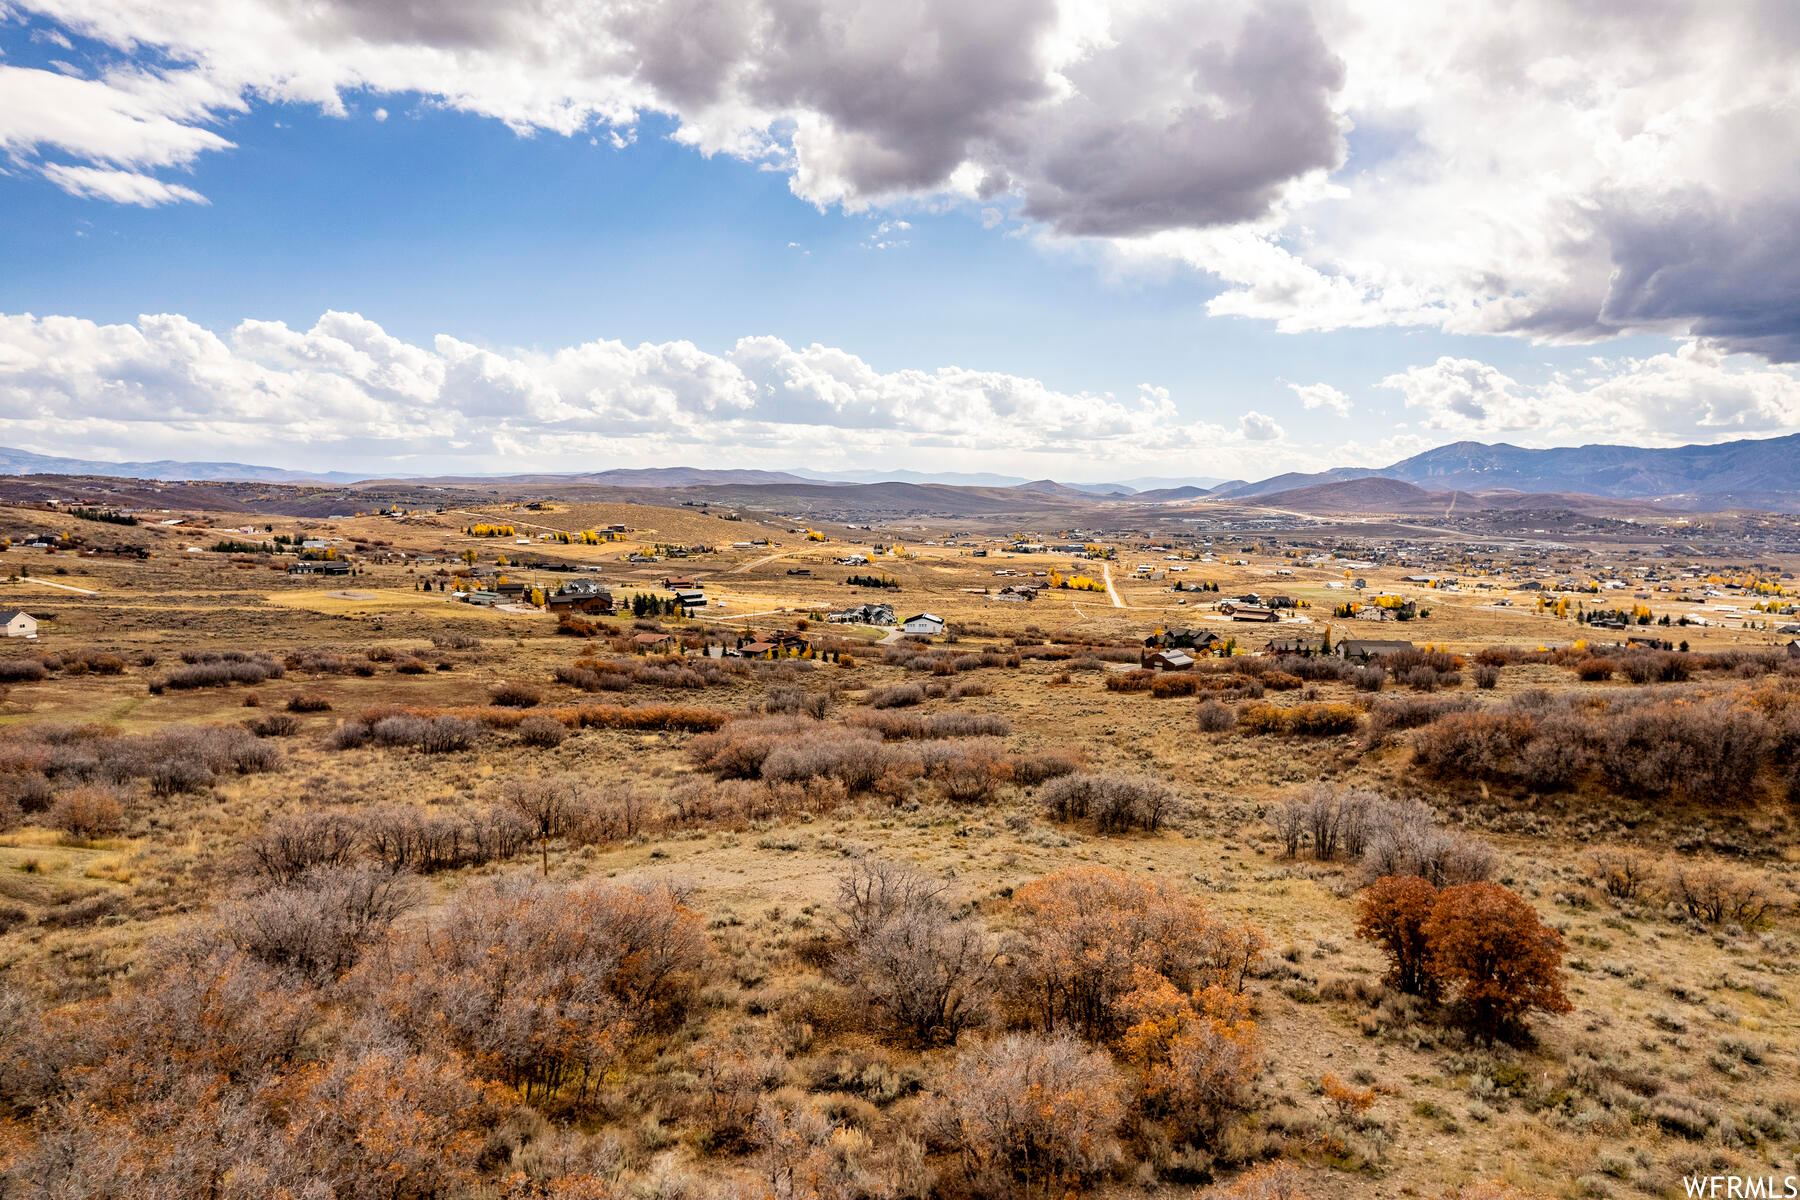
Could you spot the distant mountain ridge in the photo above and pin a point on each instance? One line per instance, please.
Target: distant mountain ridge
(1727, 473)
(23, 462)
(1749, 473)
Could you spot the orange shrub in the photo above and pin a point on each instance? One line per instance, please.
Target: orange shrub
(1308, 720)
(88, 812)
(1085, 931)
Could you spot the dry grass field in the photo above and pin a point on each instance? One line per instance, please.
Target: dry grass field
(340, 887)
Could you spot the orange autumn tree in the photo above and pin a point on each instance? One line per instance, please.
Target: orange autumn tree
(1504, 963)
(1392, 913)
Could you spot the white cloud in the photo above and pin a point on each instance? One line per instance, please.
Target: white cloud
(1259, 427)
(1696, 394)
(121, 187)
(1322, 395)
(346, 387)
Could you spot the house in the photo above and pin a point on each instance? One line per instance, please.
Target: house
(1366, 649)
(481, 596)
(16, 622)
(799, 571)
(1290, 645)
(580, 596)
(1788, 629)
(1184, 639)
(1168, 660)
(319, 566)
(863, 614)
(1793, 648)
(690, 598)
(775, 645)
(1249, 612)
(925, 623)
(680, 585)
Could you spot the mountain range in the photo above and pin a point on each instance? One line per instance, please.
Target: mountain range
(1750, 473)
(23, 462)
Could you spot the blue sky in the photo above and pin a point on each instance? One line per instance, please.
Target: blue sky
(429, 218)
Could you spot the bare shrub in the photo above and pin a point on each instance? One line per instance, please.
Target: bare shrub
(1708, 892)
(794, 701)
(853, 758)
(896, 726)
(543, 732)
(222, 669)
(972, 776)
(273, 725)
(1623, 872)
(291, 845)
(1031, 770)
(513, 694)
(1116, 803)
(1042, 1110)
(319, 923)
(929, 976)
(1288, 820)
(23, 670)
(1487, 676)
(902, 696)
(1403, 838)
(587, 967)
(1214, 717)
(308, 702)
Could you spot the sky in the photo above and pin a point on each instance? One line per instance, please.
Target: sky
(1081, 240)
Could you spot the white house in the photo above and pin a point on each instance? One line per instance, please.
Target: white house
(923, 623)
(18, 623)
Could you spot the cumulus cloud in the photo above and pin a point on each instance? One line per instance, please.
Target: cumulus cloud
(1259, 427)
(1696, 394)
(168, 385)
(1322, 395)
(1551, 169)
